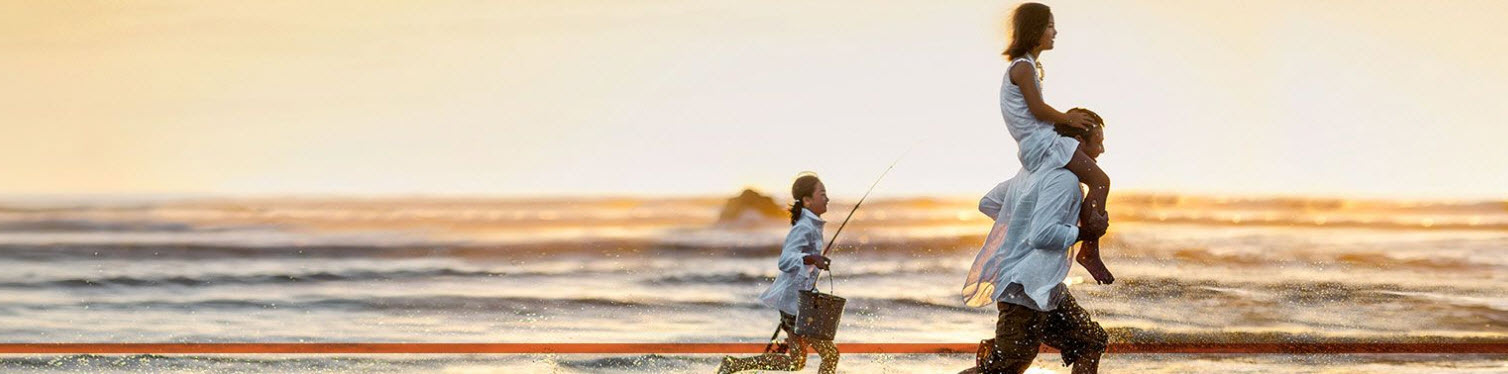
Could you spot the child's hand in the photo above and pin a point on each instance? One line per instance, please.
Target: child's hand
(1080, 120)
(820, 261)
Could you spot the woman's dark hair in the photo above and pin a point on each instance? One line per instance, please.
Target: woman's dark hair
(1028, 23)
(804, 186)
(1074, 132)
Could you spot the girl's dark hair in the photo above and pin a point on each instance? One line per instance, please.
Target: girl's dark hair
(804, 186)
(1028, 23)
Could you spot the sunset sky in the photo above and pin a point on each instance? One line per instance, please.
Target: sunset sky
(673, 97)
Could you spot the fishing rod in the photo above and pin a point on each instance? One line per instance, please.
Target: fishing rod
(861, 202)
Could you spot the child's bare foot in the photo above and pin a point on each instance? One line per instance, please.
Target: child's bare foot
(1089, 257)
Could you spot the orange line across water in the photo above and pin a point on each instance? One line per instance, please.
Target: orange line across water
(644, 348)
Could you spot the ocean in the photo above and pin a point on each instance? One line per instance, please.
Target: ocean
(664, 270)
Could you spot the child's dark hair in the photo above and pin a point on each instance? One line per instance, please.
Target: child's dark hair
(805, 185)
(1028, 23)
(1074, 132)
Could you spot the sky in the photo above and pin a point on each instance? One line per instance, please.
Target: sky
(676, 97)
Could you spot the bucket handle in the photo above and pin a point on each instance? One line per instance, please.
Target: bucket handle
(831, 286)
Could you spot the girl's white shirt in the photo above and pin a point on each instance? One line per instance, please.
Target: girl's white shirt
(1038, 147)
(805, 238)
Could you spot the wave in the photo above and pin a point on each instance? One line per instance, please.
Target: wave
(1369, 307)
(1152, 335)
(1355, 220)
(80, 225)
(1303, 293)
(181, 251)
(286, 278)
(860, 271)
(84, 360)
(949, 304)
(640, 363)
(724, 278)
(615, 213)
(517, 305)
(154, 363)
(1255, 251)
(446, 303)
(582, 246)
(1372, 260)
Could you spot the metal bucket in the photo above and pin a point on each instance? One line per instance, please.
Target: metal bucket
(818, 315)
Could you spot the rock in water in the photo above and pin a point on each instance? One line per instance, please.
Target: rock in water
(751, 208)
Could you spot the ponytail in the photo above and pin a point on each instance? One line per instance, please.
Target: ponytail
(805, 185)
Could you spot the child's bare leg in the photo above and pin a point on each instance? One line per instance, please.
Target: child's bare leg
(790, 361)
(797, 353)
(767, 361)
(1093, 210)
(1090, 174)
(829, 354)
